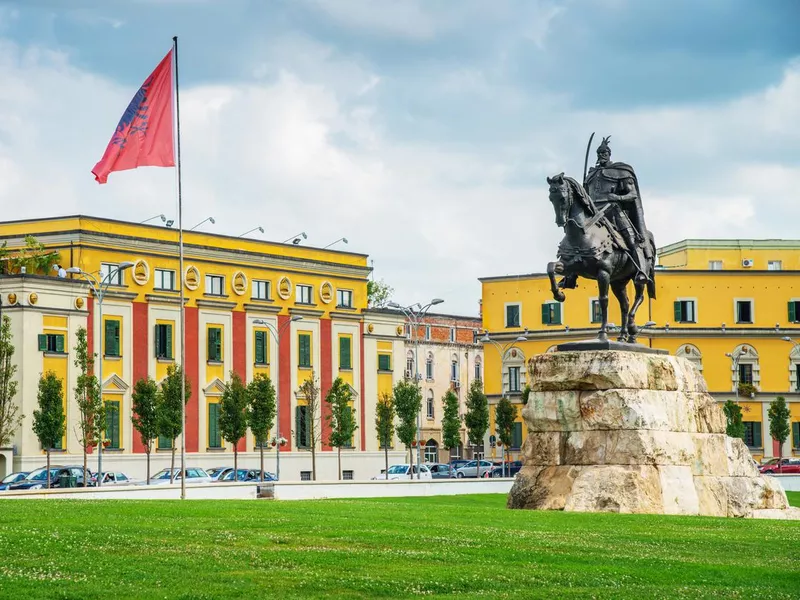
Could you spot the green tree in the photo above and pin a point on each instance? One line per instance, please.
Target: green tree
(49, 420)
(733, 416)
(145, 415)
(378, 293)
(505, 414)
(310, 391)
(779, 422)
(477, 416)
(451, 421)
(35, 257)
(233, 409)
(91, 410)
(168, 409)
(384, 423)
(261, 416)
(341, 418)
(407, 404)
(10, 417)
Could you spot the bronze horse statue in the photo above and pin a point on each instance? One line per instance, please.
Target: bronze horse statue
(593, 249)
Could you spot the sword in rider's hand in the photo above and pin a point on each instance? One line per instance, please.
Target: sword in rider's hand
(586, 160)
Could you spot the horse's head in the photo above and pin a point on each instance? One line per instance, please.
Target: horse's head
(560, 197)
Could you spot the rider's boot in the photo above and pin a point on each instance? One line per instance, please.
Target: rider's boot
(568, 282)
(641, 276)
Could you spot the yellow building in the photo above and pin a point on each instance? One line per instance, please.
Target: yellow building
(238, 292)
(726, 305)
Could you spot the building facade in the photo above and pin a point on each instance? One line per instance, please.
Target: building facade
(726, 305)
(238, 292)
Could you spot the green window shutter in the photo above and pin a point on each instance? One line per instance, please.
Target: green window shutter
(792, 312)
(213, 426)
(164, 443)
(545, 314)
(167, 333)
(157, 344)
(297, 427)
(516, 436)
(218, 348)
(211, 335)
(678, 312)
(796, 435)
(214, 344)
(344, 353)
(59, 343)
(111, 338)
(42, 339)
(112, 422)
(260, 347)
(305, 350)
(556, 314)
(384, 362)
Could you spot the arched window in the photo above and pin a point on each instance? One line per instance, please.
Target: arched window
(478, 368)
(431, 451)
(794, 376)
(745, 367)
(410, 365)
(513, 371)
(429, 367)
(429, 408)
(454, 368)
(691, 353)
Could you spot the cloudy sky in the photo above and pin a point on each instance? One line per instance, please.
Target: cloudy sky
(421, 130)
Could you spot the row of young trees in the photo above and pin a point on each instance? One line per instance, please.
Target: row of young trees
(779, 425)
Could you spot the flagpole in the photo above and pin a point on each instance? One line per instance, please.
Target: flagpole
(180, 266)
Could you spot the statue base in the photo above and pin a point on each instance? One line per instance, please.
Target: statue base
(630, 432)
(596, 344)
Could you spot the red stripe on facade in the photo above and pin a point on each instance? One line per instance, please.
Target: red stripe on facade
(141, 355)
(361, 392)
(192, 350)
(326, 376)
(240, 357)
(90, 342)
(285, 379)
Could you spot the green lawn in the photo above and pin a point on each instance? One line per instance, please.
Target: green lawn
(450, 547)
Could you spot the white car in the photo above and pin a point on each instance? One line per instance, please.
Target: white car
(397, 472)
(114, 478)
(193, 475)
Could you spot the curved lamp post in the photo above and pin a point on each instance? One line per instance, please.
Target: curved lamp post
(162, 217)
(203, 221)
(344, 239)
(99, 288)
(295, 239)
(259, 228)
(415, 313)
(277, 333)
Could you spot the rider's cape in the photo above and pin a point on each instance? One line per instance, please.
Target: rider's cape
(618, 171)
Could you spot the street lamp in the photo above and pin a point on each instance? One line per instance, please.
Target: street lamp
(277, 334)
(261, 229)
(203, 221)
(735, 358)
(415, 313)
(336, 242)
(295, 239)
(162, 217)
(100, 287)
(503, 350)
(795, 345)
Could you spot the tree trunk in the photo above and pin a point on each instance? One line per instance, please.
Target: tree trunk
(386, 456)
(313, 451)
(148, 463)
(261, 448)
(339, 452)
(235, 462)
(172, 465)
(86, 467)
(410, 463)
(48, 468)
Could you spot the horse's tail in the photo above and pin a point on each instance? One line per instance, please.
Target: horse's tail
(651, 284)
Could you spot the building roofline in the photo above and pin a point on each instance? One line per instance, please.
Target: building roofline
(728, 244)
(429, 314)
(660, 270)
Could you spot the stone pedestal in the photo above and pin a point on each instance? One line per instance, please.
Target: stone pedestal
(635, 433)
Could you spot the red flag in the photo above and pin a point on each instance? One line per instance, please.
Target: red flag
(144, 134)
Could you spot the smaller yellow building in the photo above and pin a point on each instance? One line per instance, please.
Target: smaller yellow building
(732, 307)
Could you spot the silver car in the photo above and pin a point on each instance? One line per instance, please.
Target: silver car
(471, 469)
(193, 475)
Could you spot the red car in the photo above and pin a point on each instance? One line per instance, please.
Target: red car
(781, 465)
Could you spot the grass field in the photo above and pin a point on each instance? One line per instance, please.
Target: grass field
(450, 547)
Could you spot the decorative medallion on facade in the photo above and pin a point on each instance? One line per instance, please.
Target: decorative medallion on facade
(239, 283)
(400, 329)
(326, 292)
(191, 278)
(33, 298)
(79, 303)
(141, 272)
(370, 327)
(12, 298)
(284, 288)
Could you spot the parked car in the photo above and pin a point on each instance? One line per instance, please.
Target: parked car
(471, 468)
(511, 470)
(397, 472)
(12, 478)
(37, 479)
(248, 475)
(781, 465)
(441, 471)
(193, 475)
(216, 473)
(112, 478)
(456, 464)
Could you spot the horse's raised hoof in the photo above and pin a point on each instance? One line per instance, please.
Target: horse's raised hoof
(559, 295)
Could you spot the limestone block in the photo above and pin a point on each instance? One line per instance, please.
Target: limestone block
(553, 411)
(708, 414)
(791, 513)
(604, 369)
(772, 494)
(710, 456)
(543, 488)
(678, 493)
(712, 496)
(740, 463)
(584, 447)
(542, 448)
(616, 488)
(636, 409)
(743, 494)
(627, 447)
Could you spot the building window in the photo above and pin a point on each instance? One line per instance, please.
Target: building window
(163, 341)
(744, 311)
(478, 371)
(260, 289)
(715, 265)
(427, 332)
(512, 315)
(513, 379)
(429, 367)
(597, 314)
(260, 348)
(384, 362)
(111, 337)
(774, 265)
(796, 435)
(454, 369)
(113, 270)
(303, 294)
(752, 434)
(429, 405)
(214, 344)
(684, 311)
(452, 335)
(345, 352)
(215, 285)
(347, 475)
(305, 475)
(301, 427)
(794, 311)
(745, 373)
(410, 364)
(407, 330)
(431, 452)
(304, 350)
(164, 280)
(214, 437)
(51, 342)
(113, 422)
(344, 298)
(551, 313)
(797, 377)
(164, 443)
(516, 436)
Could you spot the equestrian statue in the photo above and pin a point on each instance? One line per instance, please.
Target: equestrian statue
(605, 238)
